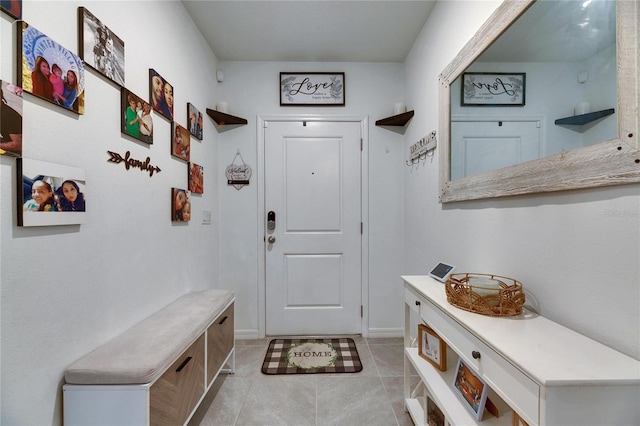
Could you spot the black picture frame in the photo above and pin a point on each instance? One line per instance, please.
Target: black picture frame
(312, 89)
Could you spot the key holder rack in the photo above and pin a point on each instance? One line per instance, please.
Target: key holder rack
(422, 149)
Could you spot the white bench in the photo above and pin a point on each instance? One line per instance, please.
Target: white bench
(158, 371)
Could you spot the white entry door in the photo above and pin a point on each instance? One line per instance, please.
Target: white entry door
(313, 248)
(483, 146)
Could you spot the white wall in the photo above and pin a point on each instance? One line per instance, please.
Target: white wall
(372, 89)
(577, 253)
(67, 289)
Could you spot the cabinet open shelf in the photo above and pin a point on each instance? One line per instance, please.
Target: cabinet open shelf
(396, 120)
(223, 119)
(440, 386)
(582, 119)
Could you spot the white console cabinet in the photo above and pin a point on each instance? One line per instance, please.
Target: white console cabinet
(544, 372)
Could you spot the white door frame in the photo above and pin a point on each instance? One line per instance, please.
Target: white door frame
(364, 193)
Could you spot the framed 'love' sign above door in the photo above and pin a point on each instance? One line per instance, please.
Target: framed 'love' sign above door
(312, 89)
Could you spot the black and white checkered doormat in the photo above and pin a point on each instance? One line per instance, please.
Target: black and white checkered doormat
(295, 356)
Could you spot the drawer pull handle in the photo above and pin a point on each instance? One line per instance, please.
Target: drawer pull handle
(417, 303)
(186, 361)
(223, 320)
(475, 355)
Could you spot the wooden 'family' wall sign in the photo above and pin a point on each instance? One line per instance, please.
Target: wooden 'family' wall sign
(131, 162)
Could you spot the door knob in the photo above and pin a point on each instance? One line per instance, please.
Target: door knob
(271, 239)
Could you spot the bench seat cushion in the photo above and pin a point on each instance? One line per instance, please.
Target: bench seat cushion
(142, 353)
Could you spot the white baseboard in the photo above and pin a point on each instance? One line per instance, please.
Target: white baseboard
(386, 332)
(251, 334)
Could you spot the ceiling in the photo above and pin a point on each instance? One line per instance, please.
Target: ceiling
(310, 30)
(557, 31)
(385, 30)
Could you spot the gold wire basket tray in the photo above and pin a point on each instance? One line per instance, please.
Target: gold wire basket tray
(485, 294)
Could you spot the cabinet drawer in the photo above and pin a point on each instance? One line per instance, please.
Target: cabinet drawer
(517, 390)
(220, 341)
(175, 394)
(413, 300)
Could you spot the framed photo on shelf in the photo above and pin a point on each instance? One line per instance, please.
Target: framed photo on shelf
(49, 71)
(312, 89)
(493, 89)
(471, 389)
(100, 48)
(435, 416)
(517, 420)
(180, 142)
(195, 121)
(50, 194)
(431, 347)
(136, 120)
(160, 95)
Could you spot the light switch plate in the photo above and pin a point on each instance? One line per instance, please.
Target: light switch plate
(206, 217)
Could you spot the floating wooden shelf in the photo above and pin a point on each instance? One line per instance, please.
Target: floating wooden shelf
(223, 119)
(582, 119)
(396, 120)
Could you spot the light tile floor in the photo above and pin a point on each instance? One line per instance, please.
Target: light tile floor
(373, 396)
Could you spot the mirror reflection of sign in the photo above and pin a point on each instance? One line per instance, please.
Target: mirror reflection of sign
(493, 89)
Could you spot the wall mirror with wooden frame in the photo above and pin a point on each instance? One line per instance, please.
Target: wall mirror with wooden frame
(575, 148)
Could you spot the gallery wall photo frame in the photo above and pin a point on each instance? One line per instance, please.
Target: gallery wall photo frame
(431, 347)
(12, 8)
(195, 121)
(160, 94)
(100, 48)
(180, 205)
(180, 142)
(483, 89)
(49, 194)
(196, 178)
(11, 119)
(312, 89)
(135, 116)
(40, 57)
(471, 389)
